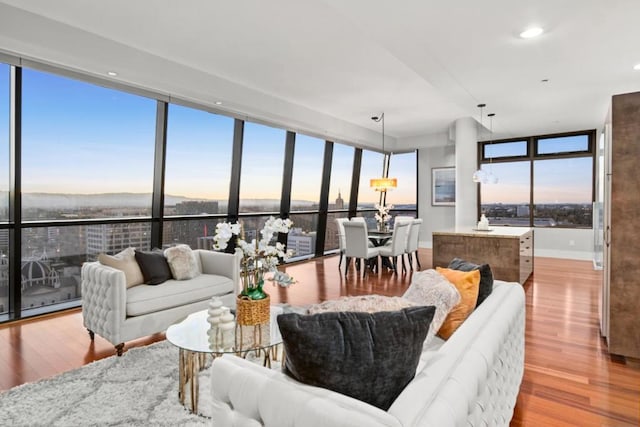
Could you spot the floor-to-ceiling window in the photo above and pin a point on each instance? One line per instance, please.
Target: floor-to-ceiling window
(4, 186)
(372, 163)
(87, 153)
(261, 175)
(97, 171)
(404, 167)
(542, 181)
(197, 175)
(305, 195)
(339, 192)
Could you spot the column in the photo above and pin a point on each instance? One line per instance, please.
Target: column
(466, 164)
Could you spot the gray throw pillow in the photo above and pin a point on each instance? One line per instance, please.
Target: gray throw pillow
(486, 276)
(154, 266)
(368, 356)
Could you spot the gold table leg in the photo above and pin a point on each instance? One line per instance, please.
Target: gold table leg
(190, 363)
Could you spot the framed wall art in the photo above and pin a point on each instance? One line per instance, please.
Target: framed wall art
(443, 186)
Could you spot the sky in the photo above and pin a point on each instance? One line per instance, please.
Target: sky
(82, 138)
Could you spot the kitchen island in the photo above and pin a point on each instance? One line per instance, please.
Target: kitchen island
(507, 250)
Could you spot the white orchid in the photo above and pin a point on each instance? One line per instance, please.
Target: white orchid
(382, 216)
(260, 255)
(224, 232)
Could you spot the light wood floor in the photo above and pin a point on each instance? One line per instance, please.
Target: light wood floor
(570, 379)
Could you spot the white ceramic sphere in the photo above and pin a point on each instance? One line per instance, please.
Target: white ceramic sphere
(227, 326)
(215, 312)
(215, 303)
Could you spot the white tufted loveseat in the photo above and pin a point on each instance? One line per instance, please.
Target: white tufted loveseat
(119, 314)
(472, 379)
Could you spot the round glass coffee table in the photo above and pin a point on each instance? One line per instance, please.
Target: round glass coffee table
(192, 338)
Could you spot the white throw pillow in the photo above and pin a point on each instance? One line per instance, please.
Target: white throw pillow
(429, 287)
(126, 262)
(182, 262)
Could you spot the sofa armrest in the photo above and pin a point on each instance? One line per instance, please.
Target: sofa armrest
(103, 300)
(246, 394)
(222, 264)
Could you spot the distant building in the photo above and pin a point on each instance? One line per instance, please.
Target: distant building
(339, 204)
(42, 285)
(113, 238)
(522, 210)
(196, 208)
(301, 243)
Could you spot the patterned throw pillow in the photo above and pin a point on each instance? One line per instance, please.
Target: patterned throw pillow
(182, 262)
(362, 303)
(429, 287)
(126, 262)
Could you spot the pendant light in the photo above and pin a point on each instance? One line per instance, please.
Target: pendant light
(480, 175)
(384, 183)
(491, 178)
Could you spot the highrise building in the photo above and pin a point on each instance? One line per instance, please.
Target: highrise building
(113, 238)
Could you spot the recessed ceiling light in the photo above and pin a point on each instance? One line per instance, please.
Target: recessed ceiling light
(112, 73)
(544, 81)
(531, 32)
(218, 102)
(636, 67)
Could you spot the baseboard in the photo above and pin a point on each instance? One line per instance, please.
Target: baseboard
(554, 253)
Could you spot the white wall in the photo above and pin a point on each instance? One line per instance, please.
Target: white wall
(564, 243)
(439, 151)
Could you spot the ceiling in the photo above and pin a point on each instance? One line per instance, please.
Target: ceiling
(326, 66)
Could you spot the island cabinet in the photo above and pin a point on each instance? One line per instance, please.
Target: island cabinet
(508, 250)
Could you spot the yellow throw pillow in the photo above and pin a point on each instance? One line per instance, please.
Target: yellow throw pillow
(468, 284)
(126, 262)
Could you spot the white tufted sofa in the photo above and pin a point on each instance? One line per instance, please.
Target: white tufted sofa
(472, 379)
(119, 314)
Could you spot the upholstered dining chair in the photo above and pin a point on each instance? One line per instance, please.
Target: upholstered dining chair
(364, 221)
(357, 245)
(397, 245)
(340, 223)
(412, 243)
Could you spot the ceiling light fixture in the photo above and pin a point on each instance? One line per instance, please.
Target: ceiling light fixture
(532, 32)
(112, 73)
(218, 103)
(480, 175)
(491, 178)
(636, 67)
(385, 183)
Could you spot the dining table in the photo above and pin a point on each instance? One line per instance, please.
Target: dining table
(379, 238)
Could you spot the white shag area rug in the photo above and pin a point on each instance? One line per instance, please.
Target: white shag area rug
(138, 389)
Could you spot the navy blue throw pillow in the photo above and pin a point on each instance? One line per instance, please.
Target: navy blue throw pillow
(368, 356)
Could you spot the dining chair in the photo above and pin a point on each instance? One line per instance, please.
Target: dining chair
(341, 241)
(404, 218)
(363, 220)
(357, 245)
(412, 243)
(397, 245)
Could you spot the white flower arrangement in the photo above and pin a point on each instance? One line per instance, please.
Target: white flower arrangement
(258, 256)
(382, 216)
